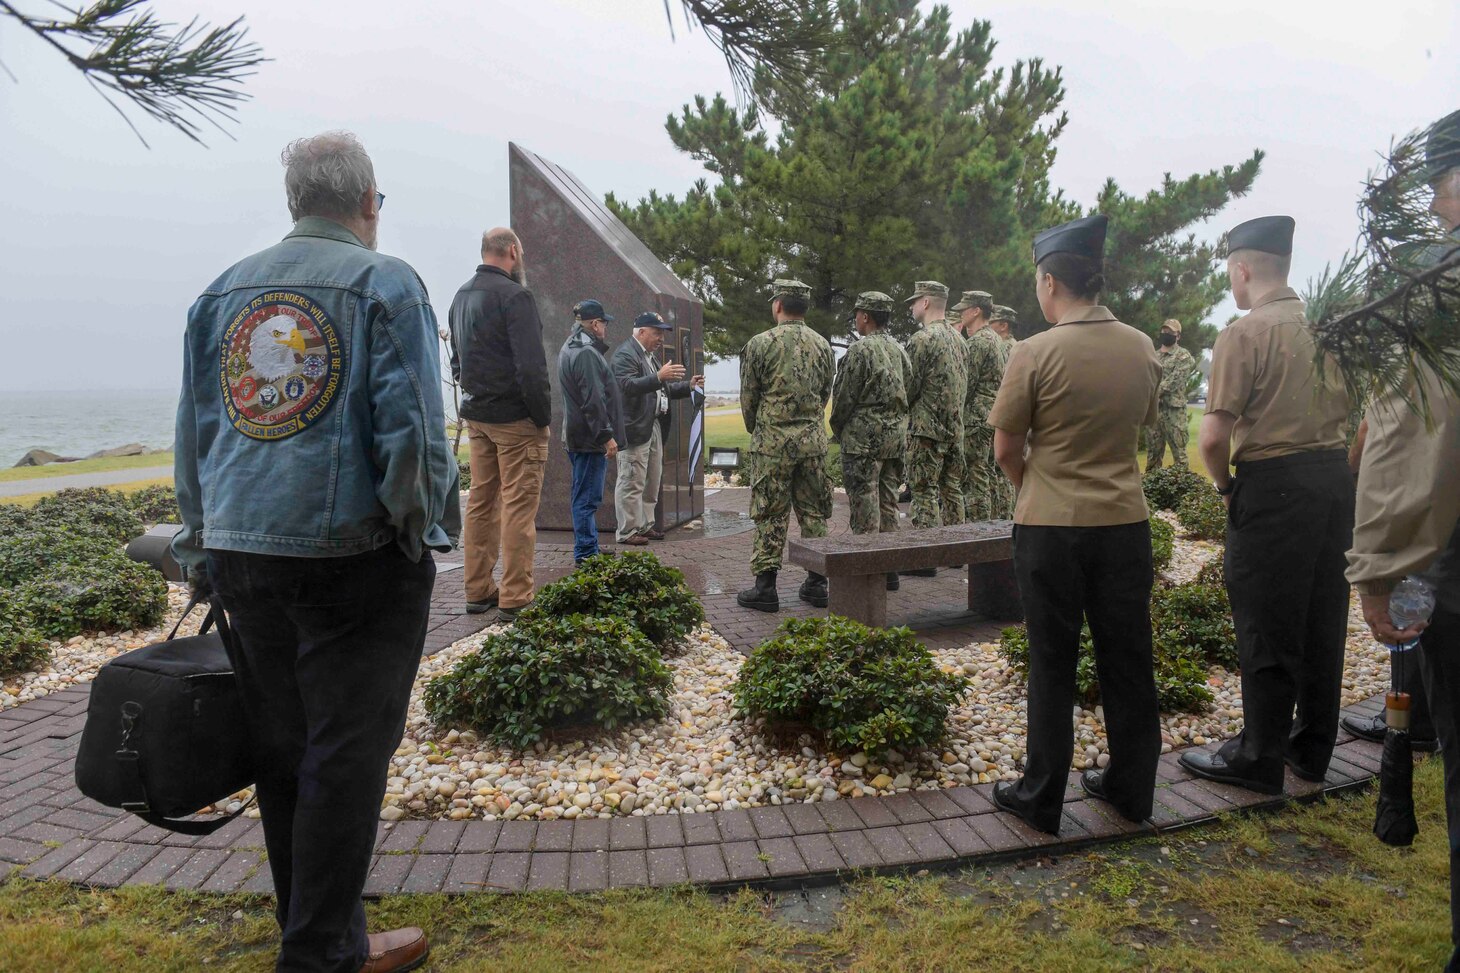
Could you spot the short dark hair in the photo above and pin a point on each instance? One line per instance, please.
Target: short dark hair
(879, 318)
(1084, 276)
(794, 305)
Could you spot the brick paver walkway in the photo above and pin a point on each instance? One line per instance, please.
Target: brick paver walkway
(49, 829)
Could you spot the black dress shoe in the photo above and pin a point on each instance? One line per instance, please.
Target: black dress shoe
(1302, 773)
(1213, 766)
(1004, 800)
(1093, 783)
(1374, 728)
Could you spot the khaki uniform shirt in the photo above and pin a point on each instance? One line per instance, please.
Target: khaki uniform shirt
(1263, 373)
(1081, 391)
(1409, 489)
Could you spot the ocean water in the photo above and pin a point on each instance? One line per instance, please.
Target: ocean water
(78, 423)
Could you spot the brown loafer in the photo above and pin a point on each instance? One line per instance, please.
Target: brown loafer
(396, 951)
(634, 540)
(653, 535)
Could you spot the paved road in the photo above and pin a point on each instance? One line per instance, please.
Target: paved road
(47, 484)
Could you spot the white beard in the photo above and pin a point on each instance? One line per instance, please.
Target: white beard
(266, 353)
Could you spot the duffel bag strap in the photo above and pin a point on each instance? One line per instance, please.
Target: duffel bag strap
(208, 619)
(129, 761)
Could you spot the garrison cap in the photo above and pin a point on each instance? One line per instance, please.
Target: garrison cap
(928, 288)
(590, 310)
(1442, 147)
(873, 301)
(651, 319)
(1270, 234)
(790, 287)
(1085, 237)
(969, 299)
(1003, 312)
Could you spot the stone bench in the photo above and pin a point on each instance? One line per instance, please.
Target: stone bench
(856, 566)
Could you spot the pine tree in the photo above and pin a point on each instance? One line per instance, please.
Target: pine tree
(907, 157)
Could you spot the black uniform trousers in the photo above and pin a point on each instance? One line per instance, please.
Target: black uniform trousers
(325, 650)
(1439, 649)
(1103, 575)
(1289, 524)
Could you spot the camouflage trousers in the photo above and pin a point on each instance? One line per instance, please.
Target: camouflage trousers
(935, 475)
(872, 486)
(1170, 429)
(987, 492)
(779, 484)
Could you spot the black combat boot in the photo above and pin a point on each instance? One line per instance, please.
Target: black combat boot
(892, 581)
(813, 589)
(920, 573)
(762, 597)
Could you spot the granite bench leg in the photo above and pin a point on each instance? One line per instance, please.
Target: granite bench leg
(993, 591)
(861, 597)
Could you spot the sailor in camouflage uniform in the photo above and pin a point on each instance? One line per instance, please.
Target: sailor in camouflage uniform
(1177, 367)
(869, 418)
(1001, 323)
(935, 406)
(786, 375)
(984, 372)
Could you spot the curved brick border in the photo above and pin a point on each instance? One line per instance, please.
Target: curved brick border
(47, 827)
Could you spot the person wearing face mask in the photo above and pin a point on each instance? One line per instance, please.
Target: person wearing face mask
(506, 403)
(1177, 367)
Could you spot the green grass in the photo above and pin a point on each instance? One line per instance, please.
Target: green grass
(85, 466)
(1304, 889)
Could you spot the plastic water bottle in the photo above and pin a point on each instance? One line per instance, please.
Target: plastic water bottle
(1412, 601)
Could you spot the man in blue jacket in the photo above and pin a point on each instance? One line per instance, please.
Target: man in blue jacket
(314, 480)
(593, 421)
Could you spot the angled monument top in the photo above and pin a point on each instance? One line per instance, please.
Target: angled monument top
(545, 185)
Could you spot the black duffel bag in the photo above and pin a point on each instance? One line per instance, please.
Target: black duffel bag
(165, 730)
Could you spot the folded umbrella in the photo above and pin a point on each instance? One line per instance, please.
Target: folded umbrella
(1394, 822)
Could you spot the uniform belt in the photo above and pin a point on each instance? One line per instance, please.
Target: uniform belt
(1313, 457)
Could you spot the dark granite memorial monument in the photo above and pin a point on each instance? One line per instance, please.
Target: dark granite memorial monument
(575, 249)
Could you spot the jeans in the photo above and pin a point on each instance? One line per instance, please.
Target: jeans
(588, 473)
(507, 464)
(325, 651)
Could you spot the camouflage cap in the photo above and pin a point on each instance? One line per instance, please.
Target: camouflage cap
(873, 301)
(789, 286)
(953, 318)
(981, 299)
(928, 288)
(1002, 312)
(1171, 324)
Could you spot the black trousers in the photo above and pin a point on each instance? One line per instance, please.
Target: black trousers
(326, 650)
(1439, 649)
(1068, 575)
(1290, 522)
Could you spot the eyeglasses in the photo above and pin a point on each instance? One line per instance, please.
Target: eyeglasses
(379, 200)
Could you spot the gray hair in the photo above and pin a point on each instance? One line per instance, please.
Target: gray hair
(327, 175)
(499, 240)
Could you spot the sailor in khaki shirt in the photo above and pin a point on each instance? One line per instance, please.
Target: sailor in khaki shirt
(1290, 515)
(1408, 521)
(1077, 396)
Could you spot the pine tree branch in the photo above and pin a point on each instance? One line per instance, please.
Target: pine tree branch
(184, 77)
(767, 44)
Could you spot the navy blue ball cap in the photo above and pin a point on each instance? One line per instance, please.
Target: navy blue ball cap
(1442, 146)
(651, 319)
(1085, 237)
(1270, 234)
(590, 310)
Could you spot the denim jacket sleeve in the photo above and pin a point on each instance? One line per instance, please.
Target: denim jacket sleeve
(187, 546)
(418, 484)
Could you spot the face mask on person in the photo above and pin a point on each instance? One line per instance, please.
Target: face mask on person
(1168, 339)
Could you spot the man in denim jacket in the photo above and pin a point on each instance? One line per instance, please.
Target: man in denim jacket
(314, 479)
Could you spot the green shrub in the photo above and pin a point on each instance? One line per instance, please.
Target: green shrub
(156, 505)
(22, 648)
(105, 592)
(13, 519)
(1199, 617)
(1166, 486)
(464, 469)
(1203, 515)
(95, 510)
(635, 586)
(42, 546)
(1214, 571)
(1163, 543)
(554, 671)
(864, 688)
(1181, 677)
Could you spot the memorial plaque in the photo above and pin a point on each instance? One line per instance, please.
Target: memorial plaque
(575, 248)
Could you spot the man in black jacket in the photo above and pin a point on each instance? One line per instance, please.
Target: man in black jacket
(647, 386)
(498, 360)
(593, 419)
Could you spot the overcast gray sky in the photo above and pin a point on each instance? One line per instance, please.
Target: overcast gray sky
(104, 243)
